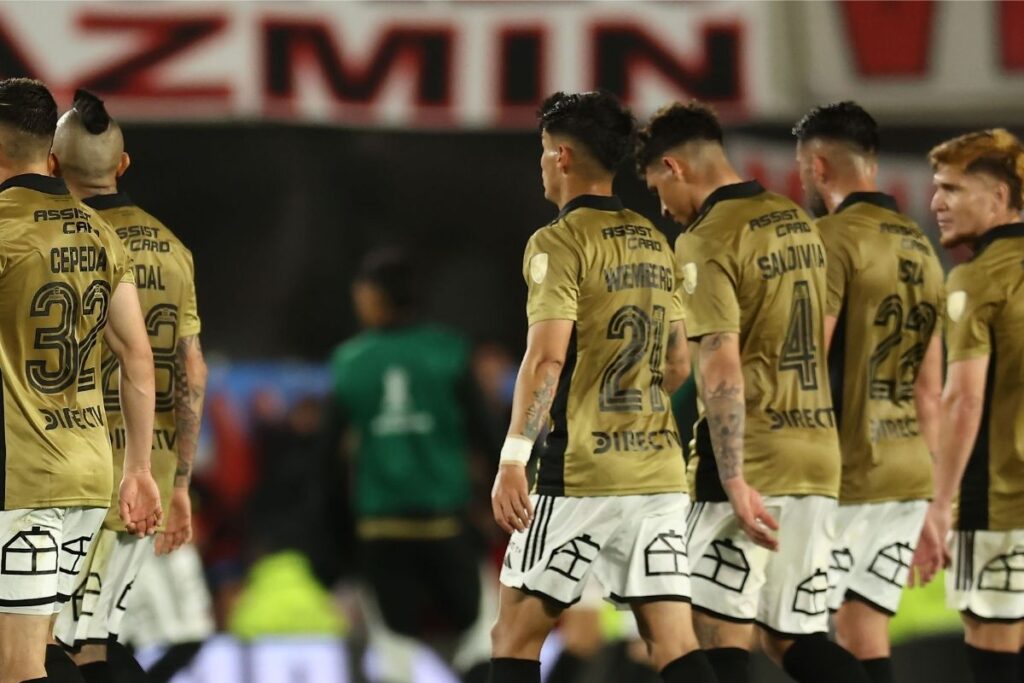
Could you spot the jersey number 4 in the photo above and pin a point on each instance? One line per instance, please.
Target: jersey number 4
(799, 352)
(645, 331)
(72, 354)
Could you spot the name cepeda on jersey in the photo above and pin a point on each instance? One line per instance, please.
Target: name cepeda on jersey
(83, 259)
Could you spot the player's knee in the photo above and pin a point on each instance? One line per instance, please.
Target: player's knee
(776, 646)
(863, 631)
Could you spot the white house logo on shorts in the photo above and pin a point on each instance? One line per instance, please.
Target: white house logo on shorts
(690, 277)
(539, 268)
(955, 305)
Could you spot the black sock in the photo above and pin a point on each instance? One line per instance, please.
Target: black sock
(731, 664)
(566, 669)
(44, 679)
(124, 668)
(97, 672)
(878, 670)
(60, 668)
(691, 668)
(477, 673)
(815, 658)
(992, 667)
(1020, 665)
(509, 670)
(176, 658)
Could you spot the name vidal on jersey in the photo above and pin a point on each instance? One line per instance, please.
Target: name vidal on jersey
(89, 417)
(791, 258)
(639, 276)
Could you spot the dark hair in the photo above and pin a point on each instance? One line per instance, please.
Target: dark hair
(841, 121)
(674, 125)
(28, 106)
(392, 271)
(91, 112)
(596, 119)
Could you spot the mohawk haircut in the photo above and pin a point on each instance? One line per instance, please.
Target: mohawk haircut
(393, 272)
(595, 119)
(673, 125)
(996, 152)
(843, 121)
(28, 117)
(91, 112)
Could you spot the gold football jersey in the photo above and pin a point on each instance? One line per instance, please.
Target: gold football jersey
(885, 287)
(59, 264)
(752, 263)
(985, 317)
(610, 271)
(165, 277)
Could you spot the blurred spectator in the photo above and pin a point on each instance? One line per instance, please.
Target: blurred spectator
(405, 398)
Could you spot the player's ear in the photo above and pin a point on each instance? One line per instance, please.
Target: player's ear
(53, 165)
(819, 167)
(123, 165)
(564, 161)
(677, 168)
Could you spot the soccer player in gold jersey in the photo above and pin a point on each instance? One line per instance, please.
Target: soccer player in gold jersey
(89, 155)
(883, 311)
(753, 283)
(979, 472)
(605, 349)
(65, 282)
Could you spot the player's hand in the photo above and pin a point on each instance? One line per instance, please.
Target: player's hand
(178, 531)
(510, 498)
(139, 503)
(928, 556)
(749, 509)
(940, 516)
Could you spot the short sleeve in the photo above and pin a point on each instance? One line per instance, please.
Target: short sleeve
(708, 277)
(188, 312)
(970, 310)
(840, 267)
(122, 265)
(678, 309)
(551, 268)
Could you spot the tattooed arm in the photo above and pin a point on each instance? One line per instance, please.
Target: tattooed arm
(546, 345)
(189, 391)
(677, 358)
(722, 392)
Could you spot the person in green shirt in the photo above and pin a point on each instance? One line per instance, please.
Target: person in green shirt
(404, 397)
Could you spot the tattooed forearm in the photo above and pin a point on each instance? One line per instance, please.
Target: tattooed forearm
(540, 406)
(189, 390)
(712, 342)
(726, 415)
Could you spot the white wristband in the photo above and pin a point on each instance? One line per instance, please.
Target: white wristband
(516, 449)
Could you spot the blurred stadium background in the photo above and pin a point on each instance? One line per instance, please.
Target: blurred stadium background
(284, 140)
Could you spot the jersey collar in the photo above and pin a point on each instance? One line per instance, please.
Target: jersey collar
(744, 190)
(108, 201)
(34, 181)
(877, 198)
(592, 201)
(997, 233)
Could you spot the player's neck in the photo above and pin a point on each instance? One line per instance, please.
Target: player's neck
(839, 191)
(717, 178)
(574, 188)
(96, 189)
(1003, 218)
(8, 172)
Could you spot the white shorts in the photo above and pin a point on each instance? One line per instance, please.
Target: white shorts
(170, 602)
(736, 580)
(633, 545)
(987, 576)
(874, 548)
(43, 554)
(93, 616)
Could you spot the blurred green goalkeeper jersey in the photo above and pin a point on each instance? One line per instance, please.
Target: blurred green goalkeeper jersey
(407, 401)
